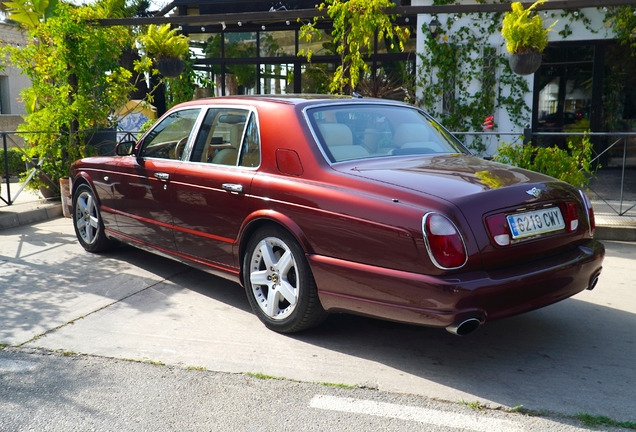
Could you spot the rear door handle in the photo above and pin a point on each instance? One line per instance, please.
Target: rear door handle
(162, 176)
(232, 187)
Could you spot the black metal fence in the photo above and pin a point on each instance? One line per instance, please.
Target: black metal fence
(615, 153)
(102, 142)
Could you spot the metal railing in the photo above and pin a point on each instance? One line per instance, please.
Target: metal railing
(614, 140)
(34, 168)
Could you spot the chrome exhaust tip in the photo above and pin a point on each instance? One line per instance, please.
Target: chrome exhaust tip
(593, 281)
(465, 327)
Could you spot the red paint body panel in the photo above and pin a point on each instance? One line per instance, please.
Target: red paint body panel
(358, 220)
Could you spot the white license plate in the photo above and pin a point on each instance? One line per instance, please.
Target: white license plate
(536, 222)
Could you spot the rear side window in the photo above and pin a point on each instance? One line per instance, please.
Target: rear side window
(347, 132)
(228, 136)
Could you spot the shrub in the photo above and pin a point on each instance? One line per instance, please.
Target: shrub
(16, 162)
(573, 166)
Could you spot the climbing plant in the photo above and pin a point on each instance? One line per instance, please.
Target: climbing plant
(463, 79)
(356, 24)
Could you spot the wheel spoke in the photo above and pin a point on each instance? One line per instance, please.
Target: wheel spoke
(288, 292)
(90, 205)
(94, 222)
(267, 253)
(285, 263)
(273, 297)
(81, 224)
(260, 278)
(81, 202)
(90, 234)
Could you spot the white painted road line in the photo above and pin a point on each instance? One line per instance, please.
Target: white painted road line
(423, 415)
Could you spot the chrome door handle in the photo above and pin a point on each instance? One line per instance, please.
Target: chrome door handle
(232, 187)
(162, 176)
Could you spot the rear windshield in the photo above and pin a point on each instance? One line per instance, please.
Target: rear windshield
(356, 131)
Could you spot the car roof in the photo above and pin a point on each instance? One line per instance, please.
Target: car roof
(294, 99)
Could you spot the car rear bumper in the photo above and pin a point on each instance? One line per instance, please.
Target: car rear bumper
(395, 295)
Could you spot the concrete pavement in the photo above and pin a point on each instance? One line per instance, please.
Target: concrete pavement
(572, 357)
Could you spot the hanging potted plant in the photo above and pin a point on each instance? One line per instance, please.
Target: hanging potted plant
(167, 47)
(525, 36)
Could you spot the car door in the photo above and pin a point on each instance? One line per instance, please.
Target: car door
(211, 192)
(144, 189)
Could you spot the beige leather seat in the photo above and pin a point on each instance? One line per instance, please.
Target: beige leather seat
(339, 140)
(409, 133)
(230, 156)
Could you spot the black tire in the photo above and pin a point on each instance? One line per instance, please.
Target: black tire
(279, 284)
(87, 221)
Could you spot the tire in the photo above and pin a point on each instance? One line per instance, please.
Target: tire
(87, 221)
(279, 284)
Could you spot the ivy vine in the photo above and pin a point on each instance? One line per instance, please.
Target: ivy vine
(453, 64)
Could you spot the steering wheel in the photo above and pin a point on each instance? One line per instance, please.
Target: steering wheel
(178, 149)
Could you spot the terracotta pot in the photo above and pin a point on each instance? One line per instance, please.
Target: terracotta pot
(525, 64)
(170, 67)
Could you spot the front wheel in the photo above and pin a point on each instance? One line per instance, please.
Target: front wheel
(279, 283)
(87, 220)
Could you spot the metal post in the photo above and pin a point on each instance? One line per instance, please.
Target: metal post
(6, 168)
(623, 175)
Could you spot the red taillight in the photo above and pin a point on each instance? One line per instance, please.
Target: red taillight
(443, 241)
(590, 212)
(499, 229)
(570, 216)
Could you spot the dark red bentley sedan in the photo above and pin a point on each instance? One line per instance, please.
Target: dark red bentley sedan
(319, 204)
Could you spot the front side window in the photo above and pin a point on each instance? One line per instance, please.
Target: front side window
(168, 138)
(355, 131)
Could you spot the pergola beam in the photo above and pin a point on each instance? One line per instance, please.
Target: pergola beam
(306, 14)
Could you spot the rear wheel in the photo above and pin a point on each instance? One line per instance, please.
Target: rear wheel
(87, 220)
(279, 283)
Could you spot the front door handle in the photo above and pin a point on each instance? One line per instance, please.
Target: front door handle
(232, 187)
(162, 176)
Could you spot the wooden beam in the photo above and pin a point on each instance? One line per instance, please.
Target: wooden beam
(307, 14)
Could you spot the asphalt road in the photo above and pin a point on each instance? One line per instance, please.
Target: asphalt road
(573, 357)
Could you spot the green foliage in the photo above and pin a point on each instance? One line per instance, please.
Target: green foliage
(77, 82)
(164, 42)
(622, 20)
(523, 31)
(16, 162)
(30, 13)
(572, 166)
(456, 60)
(599, 421)
(356, 24)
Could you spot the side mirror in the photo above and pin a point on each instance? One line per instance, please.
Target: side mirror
(125, 148)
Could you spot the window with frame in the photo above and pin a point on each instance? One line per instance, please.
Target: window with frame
(228, 136)
(168, 139)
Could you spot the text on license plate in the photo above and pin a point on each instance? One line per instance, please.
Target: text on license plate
(535, 222)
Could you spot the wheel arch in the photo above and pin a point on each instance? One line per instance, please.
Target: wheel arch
(262, 218)
(80, 179)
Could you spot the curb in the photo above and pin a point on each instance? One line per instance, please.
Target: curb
(13, 219)
(627, 234)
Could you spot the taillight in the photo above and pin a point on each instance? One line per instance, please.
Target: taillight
(499, 229)
(591, 222)
(570, 216)
(444, 243)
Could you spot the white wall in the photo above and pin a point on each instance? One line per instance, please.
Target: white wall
(13, 80)
(579, 33)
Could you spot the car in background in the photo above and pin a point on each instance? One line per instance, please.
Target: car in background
(318, 204)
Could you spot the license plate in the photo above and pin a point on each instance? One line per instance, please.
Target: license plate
(535, 222)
